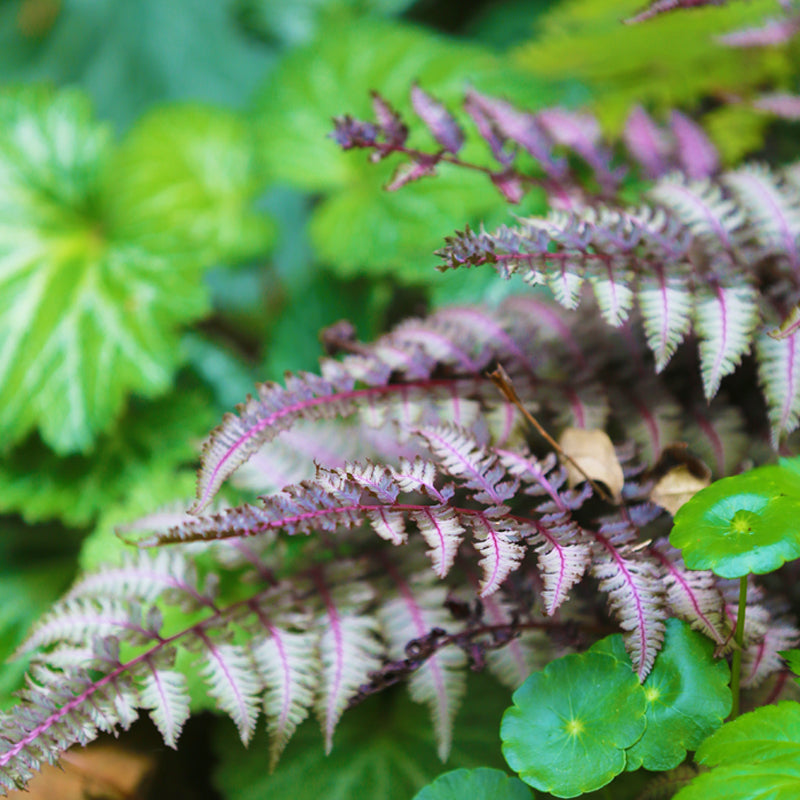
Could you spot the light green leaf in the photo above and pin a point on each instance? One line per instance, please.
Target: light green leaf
(755, 757)
(687, 697)
(184, 179)
(384, 748)
(745, 523)
(483, 783)
(358, 226)
(86, 317)
(792, 658)
(570, 724)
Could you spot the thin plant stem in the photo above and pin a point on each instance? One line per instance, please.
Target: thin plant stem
(501, 379)
(738, 637)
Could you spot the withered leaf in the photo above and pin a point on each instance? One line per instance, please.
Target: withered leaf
(593, 451)
(677, 487)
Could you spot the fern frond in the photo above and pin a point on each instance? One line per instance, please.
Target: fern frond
(439, 683)
(635, 593)
(349, 649)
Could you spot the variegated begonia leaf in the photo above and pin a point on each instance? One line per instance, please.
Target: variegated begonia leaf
(741, 524)
(89, 309)
(570, 724)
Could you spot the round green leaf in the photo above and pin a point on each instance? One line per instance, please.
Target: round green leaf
(746, 523)
(688, 698)
(570, 724)
(483, 783)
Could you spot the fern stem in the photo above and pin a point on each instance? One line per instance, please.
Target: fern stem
(738, 636)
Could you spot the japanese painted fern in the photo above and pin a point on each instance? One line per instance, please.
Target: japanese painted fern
(437, 533)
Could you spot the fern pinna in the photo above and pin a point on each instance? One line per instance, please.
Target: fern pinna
(454, 510)
(428, 529)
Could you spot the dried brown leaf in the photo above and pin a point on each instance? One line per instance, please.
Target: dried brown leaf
(593, 451)
(677, 487)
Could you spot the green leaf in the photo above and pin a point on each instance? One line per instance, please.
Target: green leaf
(184, 179)
(687, 697)
(483, 783)
(358, 226)
(755, 757)
(745, 523)
(85, 318)
(384, 748)
(128, 56)
(792, 658)
(570, 724)
(151, 442)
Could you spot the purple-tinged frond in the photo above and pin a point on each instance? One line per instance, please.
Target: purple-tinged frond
(439, 683)
(304, 508)
(232, 680)
(388, 524)
(462, 457)
(725, 318)
(145, 577)
(772, 32)
(409, 171)
(79, 620)
(439, 121)
(349, 133)
(563, 555)
(520, 127)
(718, 435)
(692, 595)
(489, 130)
(702, 207)
(442, 531)
(580, 132)
(651, 418)
(695, 152)
(527, 652)
(501, 548)
(773, 209)
(614, 296)
(779, 104)
(647, 143)
(762, 658)
(394, 130)
(287, 661)
(633, 584)
(420, 476)
(665, 303)
(165, 692)
(779, 376)
(349, 650)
